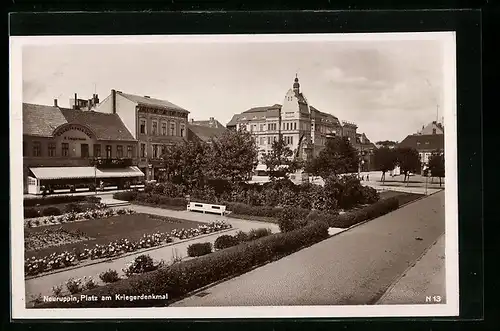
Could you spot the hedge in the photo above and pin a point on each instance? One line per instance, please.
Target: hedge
(184, 277)
(263, 211)
(54, 200)
(353, 217)
(151, 198)
(199, 249)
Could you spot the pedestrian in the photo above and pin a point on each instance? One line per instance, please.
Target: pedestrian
(367, 178)
(363, 178)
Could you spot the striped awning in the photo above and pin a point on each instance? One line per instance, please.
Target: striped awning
(85, 172)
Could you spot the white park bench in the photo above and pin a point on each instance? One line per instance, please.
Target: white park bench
(206, 207)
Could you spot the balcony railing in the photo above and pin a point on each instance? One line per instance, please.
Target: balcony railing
(111, 163)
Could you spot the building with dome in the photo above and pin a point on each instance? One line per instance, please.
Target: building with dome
(304, 128)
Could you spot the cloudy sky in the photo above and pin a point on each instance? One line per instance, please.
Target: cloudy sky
(389, 88)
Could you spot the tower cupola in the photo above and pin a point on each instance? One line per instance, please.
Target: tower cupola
(296, 85)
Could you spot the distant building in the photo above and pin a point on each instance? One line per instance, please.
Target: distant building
(61, 145)
(425, 144)
(154, 123)
(432, 128)
(366, 150)
(304, 128)
(205, 130)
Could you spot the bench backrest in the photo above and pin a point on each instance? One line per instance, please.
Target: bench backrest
(207, 206)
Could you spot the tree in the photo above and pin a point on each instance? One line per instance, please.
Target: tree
(436, 165)
(280, 162)
(408, 161)
(232, 156)
(338, 157)
(385, 160)
(185, 163)
(387, 143)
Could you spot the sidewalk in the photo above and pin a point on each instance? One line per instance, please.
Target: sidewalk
(427, 278)
(353, 268)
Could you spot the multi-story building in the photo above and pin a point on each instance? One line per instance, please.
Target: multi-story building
(154, 123)
(426, 141)
(63, 147)
(304, 128)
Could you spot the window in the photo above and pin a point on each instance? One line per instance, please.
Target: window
(262, 127)
(119, 151)
(434, 131)
(251, 128)
(97, 150)
(143, 150)
(182, 130)
(269, 140)
(129, 151)
(155, 151)
(262, 140)
(163, 150)
(155, 128)
(37, 148)
(143, 127)
(295, 125)
(108, 152)
(172, 129)
(84, 150)
(52, 149)
(164, 128)
(65, 149)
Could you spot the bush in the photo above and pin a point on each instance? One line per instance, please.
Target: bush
(225, 241)
(31, 213)
(184, 277)
(316, 215)
(74, 285)
(125, 196)
(74, 208)
(375, 210)
(292, 219)
(255, 234)
(199, 249)
(241, 236)
(109, 276)
(54, 200)
(262, 211)
(142, 263)
(51, 211)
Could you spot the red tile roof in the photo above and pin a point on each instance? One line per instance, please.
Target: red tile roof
(40, 120)
(424, 142)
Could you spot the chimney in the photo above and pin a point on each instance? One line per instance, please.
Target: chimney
(113, 101)
(55, 102)
(76, 102)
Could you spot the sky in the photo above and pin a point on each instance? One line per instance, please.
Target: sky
(388, 88)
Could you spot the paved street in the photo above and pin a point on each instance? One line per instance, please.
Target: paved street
(354, 267)
(427, 278)
(44, 284)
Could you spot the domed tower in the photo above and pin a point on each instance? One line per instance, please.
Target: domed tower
(296, 85)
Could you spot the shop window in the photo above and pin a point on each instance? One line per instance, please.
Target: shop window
(65, 149)
(37, 148)
(97, 150)
(119, 151)
(52, 149)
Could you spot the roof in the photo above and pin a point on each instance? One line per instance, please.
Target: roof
(267, 111)
(428, 142)
(147, 101)
(209, 123)
(85, 172)
(40, 120)
(205, 133)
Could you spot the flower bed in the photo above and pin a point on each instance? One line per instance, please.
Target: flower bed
(183, 277)
(74, 217)
(36, 265)
(53, 237)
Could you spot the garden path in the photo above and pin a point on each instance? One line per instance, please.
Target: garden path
(355, 267)
(43, 285)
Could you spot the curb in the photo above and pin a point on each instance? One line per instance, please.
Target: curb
(396, 281)
(103, 260)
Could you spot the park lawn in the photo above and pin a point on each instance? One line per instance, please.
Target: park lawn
(103, 231)
(402, 197)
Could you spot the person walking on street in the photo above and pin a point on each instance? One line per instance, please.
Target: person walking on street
(367, 177)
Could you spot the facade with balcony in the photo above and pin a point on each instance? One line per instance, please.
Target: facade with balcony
(63, 146)
(153, 123)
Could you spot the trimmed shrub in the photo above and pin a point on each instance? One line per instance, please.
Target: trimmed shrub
(109, 276)
(263, 211)
(255, 234)
(51, 211)
(184, 277)
(292, 219)
(125, 196)
(316, 215)
(225, 241)
(74, 208)
(241, 236)
(59, 199)
(375, 210)
(142, 263)
(31, 213)
(199, 249)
